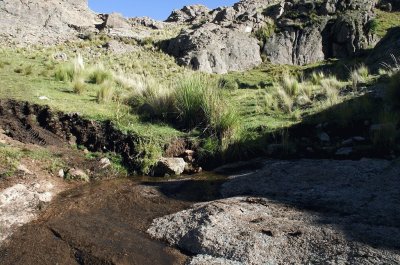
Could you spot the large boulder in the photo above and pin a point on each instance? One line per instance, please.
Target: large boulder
(338, 29)
(302, 32)
(295, 212)
(389, 5)
(386, 53)
(214, 49)
(45, 22)
(296, 45)
(189, 14)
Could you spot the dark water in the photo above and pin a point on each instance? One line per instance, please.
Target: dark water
(105, 222)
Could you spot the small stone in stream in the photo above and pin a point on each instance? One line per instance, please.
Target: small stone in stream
(23, 169)
(324, 137)
(358, 139)
(170, 166)
(61, 173)
(344, 151)
(347, 142)
(105, 162)
(77, 174)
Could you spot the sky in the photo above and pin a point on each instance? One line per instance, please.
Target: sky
(157, 9)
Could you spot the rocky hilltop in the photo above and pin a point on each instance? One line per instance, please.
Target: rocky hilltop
(283, 32)
(46, 22)
(225, 39)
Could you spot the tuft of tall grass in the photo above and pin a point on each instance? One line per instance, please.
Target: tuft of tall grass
(359, 75)
(317, 77)
(78, 85)
(330, 87)
(106, 92)
(290, 85)
(66, 72)
(285, 100)
(98, 74)
(192, 99)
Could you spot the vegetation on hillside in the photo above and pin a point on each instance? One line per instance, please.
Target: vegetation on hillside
(146, 93)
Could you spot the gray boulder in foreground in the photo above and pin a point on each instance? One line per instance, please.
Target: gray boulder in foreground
(295, 212)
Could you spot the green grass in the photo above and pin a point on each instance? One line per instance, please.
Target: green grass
(222, 113)
(385, 21)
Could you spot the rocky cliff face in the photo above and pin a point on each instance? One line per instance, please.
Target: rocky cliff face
(46, 22)
(289, 32)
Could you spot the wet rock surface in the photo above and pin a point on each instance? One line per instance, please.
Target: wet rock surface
(102, 223)
(308, 211)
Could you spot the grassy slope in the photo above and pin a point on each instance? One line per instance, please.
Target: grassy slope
(386, 21)
(27, 74)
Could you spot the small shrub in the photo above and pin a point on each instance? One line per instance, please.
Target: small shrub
(67, 72)
(373, 26)
(266, 31)
(78, 85)
(106, 92)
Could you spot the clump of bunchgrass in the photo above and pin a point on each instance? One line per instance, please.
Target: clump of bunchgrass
(66, 72)
(98, 74)
(330, 87)
(285, 100)
(290, 85)
(317, 77)
(78, 85)
(106, 92)
(359, 75)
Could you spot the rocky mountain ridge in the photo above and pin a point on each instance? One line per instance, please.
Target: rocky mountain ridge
(288, 32)
(225, 39)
